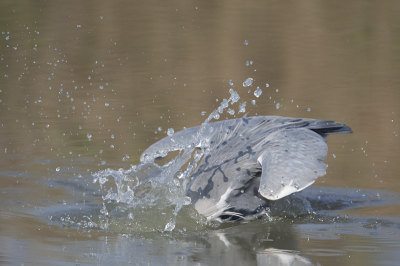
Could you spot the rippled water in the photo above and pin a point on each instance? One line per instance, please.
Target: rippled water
(85, 89)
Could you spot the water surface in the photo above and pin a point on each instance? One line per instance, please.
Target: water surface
(85, 87)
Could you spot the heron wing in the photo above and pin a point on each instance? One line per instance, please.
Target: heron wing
(292, 161)
(210, 136)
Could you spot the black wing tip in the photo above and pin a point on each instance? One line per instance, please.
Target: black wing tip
(332, 128)
(345, 129)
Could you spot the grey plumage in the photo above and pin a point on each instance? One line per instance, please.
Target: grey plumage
(251, 161)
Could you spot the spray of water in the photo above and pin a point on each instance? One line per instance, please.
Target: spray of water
(151, 196)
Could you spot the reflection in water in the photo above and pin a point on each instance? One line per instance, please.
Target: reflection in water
(256, 244)
(281, 257)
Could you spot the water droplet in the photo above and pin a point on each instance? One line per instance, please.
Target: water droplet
(203, 113)
(278, 105)
(170, 131)
(231, 82)
(242, 108)
(248, 82)
(169, 226)
(267, 85)
(308, 109)
(258, 92)
(334, 155)
(234, 96)
(246, 42)
(253, 102)
(58, 169)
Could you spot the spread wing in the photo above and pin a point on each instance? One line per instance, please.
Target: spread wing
(210, 135)
(291, 161)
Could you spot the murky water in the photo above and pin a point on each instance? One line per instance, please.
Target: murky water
(85, 89)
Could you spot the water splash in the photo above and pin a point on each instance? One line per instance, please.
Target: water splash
(151, 195)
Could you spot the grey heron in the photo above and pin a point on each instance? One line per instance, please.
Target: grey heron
(251, 161)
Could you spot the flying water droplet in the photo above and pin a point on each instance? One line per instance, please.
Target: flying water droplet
(234, 96)
(248, 82)
(170, 132)
(258, 92)
(242, 108)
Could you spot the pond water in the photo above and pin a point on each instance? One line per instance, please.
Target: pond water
(85, 88)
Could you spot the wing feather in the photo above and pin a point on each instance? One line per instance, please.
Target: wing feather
(292, 161)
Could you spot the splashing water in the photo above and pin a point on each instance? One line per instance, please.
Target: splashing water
(151, 196)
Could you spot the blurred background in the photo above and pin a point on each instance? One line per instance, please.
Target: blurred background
(86, 85)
